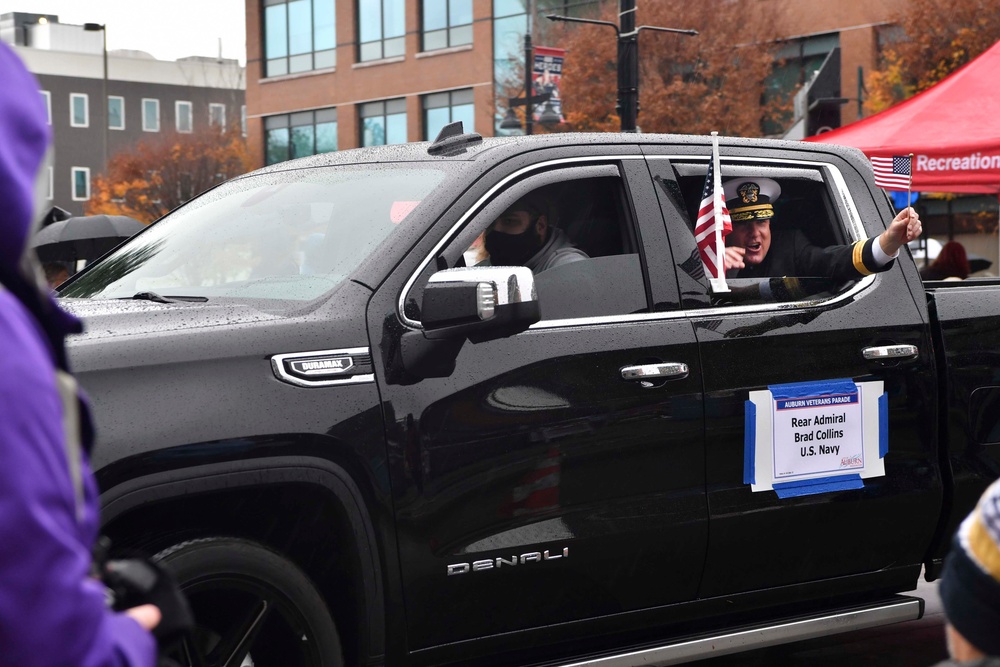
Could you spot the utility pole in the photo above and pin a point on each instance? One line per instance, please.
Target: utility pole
(628, 58)
(628, 66)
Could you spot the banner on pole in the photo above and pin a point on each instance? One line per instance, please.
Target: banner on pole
(546, 77)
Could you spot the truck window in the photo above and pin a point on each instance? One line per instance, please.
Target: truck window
(802, 215)
(577, 237)
(284, 236)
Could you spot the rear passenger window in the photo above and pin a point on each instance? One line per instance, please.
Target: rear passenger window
(791, 235)
(575, 234)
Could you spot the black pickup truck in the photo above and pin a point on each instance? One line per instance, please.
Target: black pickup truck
(359, 444)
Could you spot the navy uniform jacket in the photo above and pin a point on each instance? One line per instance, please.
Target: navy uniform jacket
(791, 254)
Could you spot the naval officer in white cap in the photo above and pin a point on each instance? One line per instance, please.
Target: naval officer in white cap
(755, 250)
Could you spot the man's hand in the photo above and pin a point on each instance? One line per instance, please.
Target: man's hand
(146, 615)
(904, 228)
(734, 257)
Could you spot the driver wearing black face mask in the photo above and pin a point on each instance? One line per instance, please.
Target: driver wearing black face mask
(522, 236)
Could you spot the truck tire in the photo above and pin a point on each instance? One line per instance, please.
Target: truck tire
(252, 607)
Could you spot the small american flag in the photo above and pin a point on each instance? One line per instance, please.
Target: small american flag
(710, 230)
(892, 173)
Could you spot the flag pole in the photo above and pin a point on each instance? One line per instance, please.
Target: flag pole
(909, 181)
(718, 283)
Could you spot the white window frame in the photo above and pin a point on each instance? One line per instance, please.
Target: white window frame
(72, 183)
(48, 105)
(215, 105)
(51, 193)
(116, 97)
(86, 109)
(177, 116)
(145, 124)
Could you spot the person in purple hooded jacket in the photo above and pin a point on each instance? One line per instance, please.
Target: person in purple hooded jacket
(52, 612)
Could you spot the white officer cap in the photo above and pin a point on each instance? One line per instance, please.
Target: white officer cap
(751, 198)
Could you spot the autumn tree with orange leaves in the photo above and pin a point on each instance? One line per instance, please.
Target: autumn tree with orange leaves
(936, 37)
(161, 174)
(692, 85)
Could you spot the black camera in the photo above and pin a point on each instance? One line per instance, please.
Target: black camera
(136, 581)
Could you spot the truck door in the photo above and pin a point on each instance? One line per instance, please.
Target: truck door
(536, 485)
(808, 330)
(966, 313)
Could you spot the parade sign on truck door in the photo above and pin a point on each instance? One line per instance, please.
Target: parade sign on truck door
(547, 76)
(815, 437)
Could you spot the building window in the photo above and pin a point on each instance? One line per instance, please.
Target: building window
(243, 120)
(383, 123)
(299, 35)
(185, 116)
(446, 23)
(217, 114)
(185, 186)
(79, 114)
(47, 96)
(443, 108)
(150, 115)
(116, 112)
(381, 26)
(81, 183)
(300, 134)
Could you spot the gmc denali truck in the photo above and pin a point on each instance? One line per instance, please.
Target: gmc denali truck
(357, 443)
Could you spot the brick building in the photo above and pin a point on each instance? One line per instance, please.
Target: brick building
(333, 74)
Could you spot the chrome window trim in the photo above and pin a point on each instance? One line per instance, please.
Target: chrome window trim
(278, 366)
(699, 313)
(476, 207)
(855, 229)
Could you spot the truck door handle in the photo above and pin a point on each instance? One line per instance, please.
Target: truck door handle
(890, 352)
(665, 371)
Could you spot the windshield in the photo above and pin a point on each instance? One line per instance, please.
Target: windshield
(284, 235)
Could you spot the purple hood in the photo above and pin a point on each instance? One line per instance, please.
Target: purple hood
(24, 139)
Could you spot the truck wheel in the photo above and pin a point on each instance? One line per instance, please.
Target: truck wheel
(252, 607)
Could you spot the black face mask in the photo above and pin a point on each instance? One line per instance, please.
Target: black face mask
(513, 249)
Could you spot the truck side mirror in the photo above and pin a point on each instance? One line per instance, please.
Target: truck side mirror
(479, 303)
(474, 303)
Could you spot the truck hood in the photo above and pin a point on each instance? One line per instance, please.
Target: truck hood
(112, 318)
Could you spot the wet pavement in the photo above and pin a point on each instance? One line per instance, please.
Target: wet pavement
(912, 644)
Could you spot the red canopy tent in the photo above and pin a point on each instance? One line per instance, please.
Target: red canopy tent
(952, 129)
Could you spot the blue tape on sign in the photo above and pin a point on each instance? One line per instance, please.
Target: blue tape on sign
(824, 388)
(749, 442)
(810, 487)
(883, 425)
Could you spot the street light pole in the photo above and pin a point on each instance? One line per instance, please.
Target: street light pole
(529, 101)
(628, 57)
(93, 27)
(529, 67)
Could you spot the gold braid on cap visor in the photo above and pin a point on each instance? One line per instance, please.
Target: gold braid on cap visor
(759, 212)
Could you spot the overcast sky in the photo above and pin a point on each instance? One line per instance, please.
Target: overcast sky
(167, 29)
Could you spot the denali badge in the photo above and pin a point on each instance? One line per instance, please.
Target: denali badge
(496, 563)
